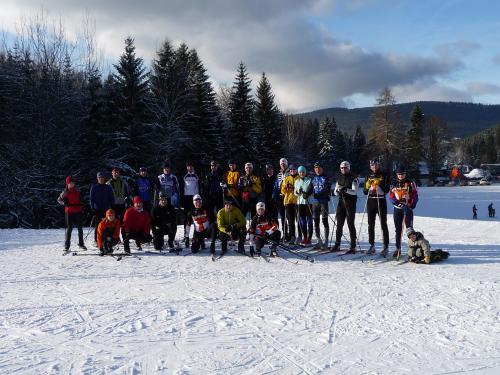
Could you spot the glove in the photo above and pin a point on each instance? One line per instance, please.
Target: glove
(269, 232)
(223, 185)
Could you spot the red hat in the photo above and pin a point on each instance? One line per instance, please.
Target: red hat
(137, 199)
(69, 179)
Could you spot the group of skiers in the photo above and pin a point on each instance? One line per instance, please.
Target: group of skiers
(217, 207)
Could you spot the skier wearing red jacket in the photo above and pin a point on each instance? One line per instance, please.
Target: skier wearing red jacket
(136, 225)
(73, 210)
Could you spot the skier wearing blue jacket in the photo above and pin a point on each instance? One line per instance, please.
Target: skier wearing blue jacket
(321, 200)
(144, 187)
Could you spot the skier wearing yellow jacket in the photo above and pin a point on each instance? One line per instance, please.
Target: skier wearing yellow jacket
(230, 181)
(290, 201)
(231, 224)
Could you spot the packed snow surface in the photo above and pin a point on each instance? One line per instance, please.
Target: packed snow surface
(175, 314)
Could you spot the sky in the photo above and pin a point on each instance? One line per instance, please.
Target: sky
(316, 53)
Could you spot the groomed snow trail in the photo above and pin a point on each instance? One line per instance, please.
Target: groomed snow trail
(188, 315)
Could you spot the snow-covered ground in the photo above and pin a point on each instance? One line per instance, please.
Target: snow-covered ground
(188, 315)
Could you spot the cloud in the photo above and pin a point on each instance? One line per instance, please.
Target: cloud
(307, 66)
(429, 89)
(460, 48)
(482, 88)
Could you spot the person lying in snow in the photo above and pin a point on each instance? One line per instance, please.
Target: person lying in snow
(419, 250)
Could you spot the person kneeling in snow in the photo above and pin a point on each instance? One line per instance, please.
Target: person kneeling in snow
(136, 225)
(264, 228)
(108, 233)
(204, 226)
(231, 224)
(419, 250)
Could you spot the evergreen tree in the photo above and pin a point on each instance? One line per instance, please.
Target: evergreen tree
(268, 123)
(241, 115)
(357, 156)
(326, 143)
(414, 149)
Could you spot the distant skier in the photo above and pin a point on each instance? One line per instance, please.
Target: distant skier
(108, 233)
(204, 225)
(73, 211)
(303, 190)
(231, 225)
(102, 198)
(164, 223)
(474, 212)
(419, 250)
(321, 199)
(377, 185)
(347, 190)
(404, 198)
(264, 228)
(136, 225)
(121, 191)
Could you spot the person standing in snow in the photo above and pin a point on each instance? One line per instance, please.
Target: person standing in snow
(230, 183)
(212, 189)
(136, 225)
(102, 199)
(404, 198)
(73, 212)
(250, 188)
(264, 228)
(269, 182)
(108, 233)
(231, 225)
(321, 199)
(290, 202)
(491, 210)
(164, 223)
(121, 191)
(303, 189)
(377, 185)
(474, 212)
(144, 187)
(280, 177)
(204, 226)
(191, 188)
(347, 190)
(169, 185)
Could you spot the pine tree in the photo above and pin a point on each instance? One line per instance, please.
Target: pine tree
(327, 142)
(414, 149)
(241, 115)
(268, 123)
(131, 82)
(357, 155)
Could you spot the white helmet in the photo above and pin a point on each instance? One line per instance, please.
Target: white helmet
(261, 205)
(197, 197)
(284, 161)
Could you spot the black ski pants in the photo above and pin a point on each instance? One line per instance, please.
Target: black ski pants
(108, 240)
(346, 210)
(374, 207)
(159, 234)
(238, 234)
(402, 214)
(260, 241)
(214, 203)
(139, 238)
(320, 210)
(73, 220)
(199, 238)
(291, 216)
(306, 220)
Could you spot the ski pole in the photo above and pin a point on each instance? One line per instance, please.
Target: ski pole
(286, 248)
(90, 228)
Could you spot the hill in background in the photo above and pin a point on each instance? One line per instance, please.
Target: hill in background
(463, 119)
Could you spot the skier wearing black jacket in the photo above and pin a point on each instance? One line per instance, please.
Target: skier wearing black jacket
(212, 189)
(163, 222)
(321, 194)
(377, 185)
(269, 182)
(346, 188)
(102, 198)
(204, 225)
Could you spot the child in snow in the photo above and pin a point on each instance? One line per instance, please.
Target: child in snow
(108, 233)
(419, 250)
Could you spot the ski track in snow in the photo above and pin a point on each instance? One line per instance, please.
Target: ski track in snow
(188, 315)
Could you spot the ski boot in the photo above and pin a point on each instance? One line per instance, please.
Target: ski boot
(83, 247)
(273, 252)
(384, 252)
(397, 253)
(298, 241)
(352, 250)
(371, 250)
(252, 251)
(186, 242)
(336, 247)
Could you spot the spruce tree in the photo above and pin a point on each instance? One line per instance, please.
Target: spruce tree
(414, 149)
(241, 115)
(267, 145)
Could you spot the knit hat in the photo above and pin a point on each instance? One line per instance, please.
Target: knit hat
(230, 161)
(401, 169)
(228, 201)
(69, 179)
(101, 174)
(318, 164)
(302, 169)
(410, 231)
(261, 205)
(292, 166)
(137, 199)
(197, 197)
(143, 169)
